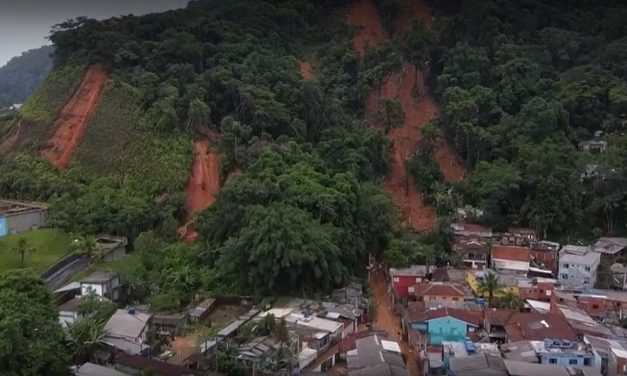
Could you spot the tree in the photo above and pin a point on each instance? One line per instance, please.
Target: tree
(22, 248)
(87, 245)
(509, 300)
(489, 284)
(86, 336)
(31, 339)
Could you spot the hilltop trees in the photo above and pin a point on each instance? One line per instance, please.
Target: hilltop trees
(31, 339)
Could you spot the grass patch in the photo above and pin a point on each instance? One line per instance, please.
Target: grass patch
(115, 145)
(50, 245)
(46, 102)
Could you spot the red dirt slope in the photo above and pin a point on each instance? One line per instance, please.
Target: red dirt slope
(305, 69)
(72, 122)
(203, 184)
(415, 213)
(363, 15)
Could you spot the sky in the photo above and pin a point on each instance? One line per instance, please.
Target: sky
(25, 24)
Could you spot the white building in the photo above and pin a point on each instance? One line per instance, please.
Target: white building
(578, 267)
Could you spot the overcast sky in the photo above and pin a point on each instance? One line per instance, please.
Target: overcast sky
(24, 24)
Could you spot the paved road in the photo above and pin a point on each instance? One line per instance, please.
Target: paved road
(65, 274)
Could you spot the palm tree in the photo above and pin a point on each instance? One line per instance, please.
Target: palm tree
(22, 248)
(509, 300)
(86, 336)
(489, 284)
(88, 246)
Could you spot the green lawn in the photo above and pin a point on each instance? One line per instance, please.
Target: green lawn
(49, 244)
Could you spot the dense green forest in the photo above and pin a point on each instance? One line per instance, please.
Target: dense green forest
(521, 84)
(23, 74)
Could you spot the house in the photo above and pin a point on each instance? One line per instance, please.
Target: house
(593, 146)
(114, 247)
(578, 267)
(375, 355)
(543, 256)
(448, 274)
(509, 259)
(495, 320)
(610, 248)
(472, 251)
(471, 230)
(127, 331)
(466, 348)
(169, 324)
(99, 283)
(135, 364)
(536, 288)
(617, 362)
(17, 217)
(533, 326)
(260, 353)
(580, 321)
(91, 369)
(443, 324)
(516, 368)
(552, 352)
(70, 312)
(478, 365)
(441, 294)
(200, 312)
(619, 276)
(508, 282)
(403, 279)
(519, 236)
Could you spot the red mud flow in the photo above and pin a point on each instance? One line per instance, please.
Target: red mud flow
(305, 70)
(418, 111)
(203, 184)
(72, 122)
(363, 16)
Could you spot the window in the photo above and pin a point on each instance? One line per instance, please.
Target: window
(418, 280)
(595, 306)
(455, 299)
(572, 361)
(564, 276)
(586, 280)
(541, 291)
(395, 279)
(587, 362)
(587, 268)
(552, 361)
(565, 266)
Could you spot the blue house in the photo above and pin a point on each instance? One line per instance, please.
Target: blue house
(553, 352)
(443, 324)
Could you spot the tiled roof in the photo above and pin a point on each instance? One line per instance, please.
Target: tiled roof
(497, 316)
(510, 253)
(439, 289)
(533, 326)
(415, 311)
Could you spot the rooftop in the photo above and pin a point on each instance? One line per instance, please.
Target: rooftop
(375, 356)
(91, 369)
(127, 323)
(534, 326)
(448, 274)
(478, 365)
(610, 246)
(160, 368)
(473, 318)
(440, 289)
(517, 368)
(511, 253)
(412, 271)
(578, 255)
(98, 277)
(9, 208)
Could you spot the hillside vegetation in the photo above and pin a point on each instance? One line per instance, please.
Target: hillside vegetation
(515, 90)
(23, 74)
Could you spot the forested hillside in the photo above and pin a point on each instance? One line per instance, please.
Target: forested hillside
(292, 138)
(521, 86)
(22, 74)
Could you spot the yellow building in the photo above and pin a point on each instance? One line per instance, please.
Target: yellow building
(509, 283)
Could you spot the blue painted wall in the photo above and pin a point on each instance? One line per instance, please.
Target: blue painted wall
(4, 228)
(447, 329)
(565, 360)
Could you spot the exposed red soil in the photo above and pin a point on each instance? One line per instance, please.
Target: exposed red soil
(385, 318)
(72, 122)
(403, 86)
(418, 9)
(10, 140)
(203, 184)
(305, 69)
(363, 16)
(448, 163)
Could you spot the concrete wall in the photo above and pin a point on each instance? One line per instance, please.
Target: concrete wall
(578, 277)
(565, 360)
(23, 222)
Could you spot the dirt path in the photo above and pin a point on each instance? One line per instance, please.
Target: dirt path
(203, 184)
(72, 122)
(363, 16)
(305, 70)
(385, 318)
